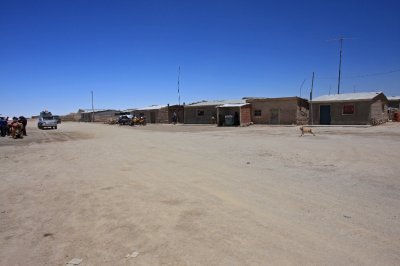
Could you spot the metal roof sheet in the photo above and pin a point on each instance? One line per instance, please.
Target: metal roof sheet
(359, 96)
(216, 102)
(233, 105)
(153, 107)
(393, 98)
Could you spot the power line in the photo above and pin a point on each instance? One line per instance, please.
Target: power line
(364, 75)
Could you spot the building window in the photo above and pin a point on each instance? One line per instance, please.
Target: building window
(348, 109)
(200, 112)
(257, 112)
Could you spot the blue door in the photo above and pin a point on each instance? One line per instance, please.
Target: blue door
(325, 114)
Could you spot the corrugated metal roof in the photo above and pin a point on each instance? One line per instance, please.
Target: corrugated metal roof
(234, 105)
(96, 110)
(393, 98)
(359, 96)
(216, 102)
(152, 107)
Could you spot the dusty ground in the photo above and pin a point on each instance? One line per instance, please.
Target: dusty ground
(200, 195)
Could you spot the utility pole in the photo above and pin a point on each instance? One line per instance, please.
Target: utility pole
(311, 92)
(92, 108)
(341, 38)
(179, 95)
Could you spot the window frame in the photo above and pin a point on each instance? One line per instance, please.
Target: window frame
(350, 104)
(200, 112)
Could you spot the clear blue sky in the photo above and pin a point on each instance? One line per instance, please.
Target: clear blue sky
(53, 53)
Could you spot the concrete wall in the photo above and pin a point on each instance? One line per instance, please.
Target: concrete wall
(359, 117)
(179, 110)
(98, 116)
(148, 115)
(379, 110)
(288, 111)
(191, 116)
(364, 112)
(162, 115)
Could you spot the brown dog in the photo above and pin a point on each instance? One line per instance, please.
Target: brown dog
(304, 129)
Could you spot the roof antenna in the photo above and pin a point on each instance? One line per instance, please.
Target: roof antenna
(341, 38)
(179, 95)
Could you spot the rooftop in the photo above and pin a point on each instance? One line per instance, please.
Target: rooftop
(216, 102)
(359, 96)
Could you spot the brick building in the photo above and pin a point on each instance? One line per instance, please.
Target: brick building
(205, 112)
(234, 114)
(279, 111)
(350, 109)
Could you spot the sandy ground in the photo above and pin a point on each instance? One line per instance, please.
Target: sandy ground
(200, 195)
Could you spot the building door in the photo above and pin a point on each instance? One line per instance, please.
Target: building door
(325, 114)
(152, 117)
(275, 116)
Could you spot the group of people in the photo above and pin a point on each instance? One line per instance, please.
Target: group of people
(15, 127)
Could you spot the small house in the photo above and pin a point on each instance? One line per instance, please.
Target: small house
(205, 112)
(279, 111)
(160, 113)
(234, 114)
(98, 115)
(350, 109)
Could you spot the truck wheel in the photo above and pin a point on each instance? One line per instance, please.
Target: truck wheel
(55, 127)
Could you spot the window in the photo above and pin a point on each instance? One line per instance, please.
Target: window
(348, 109)
(200, 112)
(257, 112)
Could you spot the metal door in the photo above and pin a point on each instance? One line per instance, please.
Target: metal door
(275, 116)
(152, 117)
(325, 114)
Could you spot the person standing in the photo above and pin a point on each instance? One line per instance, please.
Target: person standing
(3, 126)
(174, 118)
(24, 122)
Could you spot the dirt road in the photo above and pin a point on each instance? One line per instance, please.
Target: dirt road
(200, 195)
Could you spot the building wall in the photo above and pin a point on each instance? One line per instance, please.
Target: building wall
(394, 104)
(245, 115)
(148, 114)
(379, 110)
(359, 117)
(303, 112)
(179, 110)
(287, 110)
(98, 116)
(191, 116)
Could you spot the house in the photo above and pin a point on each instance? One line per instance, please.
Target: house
(160, 113)
(279, 111)
(234, 114)
(205, 112)
(393, 106)
(99, 115)
(350, 109)
(394, 102)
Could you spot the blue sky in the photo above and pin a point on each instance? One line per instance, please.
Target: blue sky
(53, 53)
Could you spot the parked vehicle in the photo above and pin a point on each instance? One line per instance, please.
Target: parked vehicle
(125, 120)
(46, 120)
(57, 118)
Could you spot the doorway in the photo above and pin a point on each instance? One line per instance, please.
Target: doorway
(325, 114)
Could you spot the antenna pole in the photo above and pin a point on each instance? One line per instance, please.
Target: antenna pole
(92, 108)
(340, 65)
(311, 92)
(179, 95)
